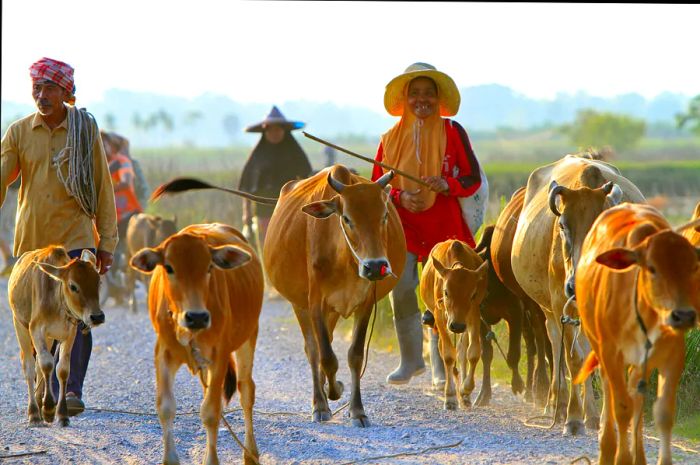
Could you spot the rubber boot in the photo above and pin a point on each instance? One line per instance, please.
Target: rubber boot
(436, 364)
(409, 333)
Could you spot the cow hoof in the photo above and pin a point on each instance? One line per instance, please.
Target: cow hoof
(528, 396)
(49, 416)
(483, 400)
(36, 423)
(593, 424)
(573, 428)
(361, 421)
(450, 404)
(517, 385)
(63, 421)
(321, 415)
(334, 394)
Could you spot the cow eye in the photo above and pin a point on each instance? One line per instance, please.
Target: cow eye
(169, 269)
(347, 220)
(445, 293)
(73, 288)
(652, 270)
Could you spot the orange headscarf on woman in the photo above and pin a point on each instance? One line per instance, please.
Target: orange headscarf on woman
(416, 146)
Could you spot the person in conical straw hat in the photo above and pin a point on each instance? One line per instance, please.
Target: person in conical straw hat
(276, 159)
(430, 146)
(65, 196)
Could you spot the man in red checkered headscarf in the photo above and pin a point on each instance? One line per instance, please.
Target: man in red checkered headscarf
(65, 195)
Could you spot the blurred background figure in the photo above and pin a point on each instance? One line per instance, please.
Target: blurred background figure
(127, 203)
(141, 186)
(276, 159)
(329, 153)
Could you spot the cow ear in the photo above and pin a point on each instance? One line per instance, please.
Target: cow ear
(228, 257)
(54, 272)
(322, 208)
(88, 256)
(618, 259)
(439, 267)
(146, 260)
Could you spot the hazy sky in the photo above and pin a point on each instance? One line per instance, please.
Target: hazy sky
(346, 52)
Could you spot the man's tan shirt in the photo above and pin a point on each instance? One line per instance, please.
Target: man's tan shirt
(46, 213)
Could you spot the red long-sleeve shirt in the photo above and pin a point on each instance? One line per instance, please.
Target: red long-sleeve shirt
(444, 219)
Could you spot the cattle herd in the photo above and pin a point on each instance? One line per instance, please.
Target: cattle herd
(576, 263)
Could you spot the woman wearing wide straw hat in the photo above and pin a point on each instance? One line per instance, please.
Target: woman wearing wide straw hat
(437, 150)
(276, 159)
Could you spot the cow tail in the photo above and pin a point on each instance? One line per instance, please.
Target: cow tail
(588, 366)
(230, 381)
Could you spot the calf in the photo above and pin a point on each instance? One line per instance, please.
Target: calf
(452, 285)
(636, 284)
(49, 294)
(144, 230)
(204, 299)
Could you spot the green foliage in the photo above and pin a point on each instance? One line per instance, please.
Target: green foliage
(691, 117)
(599, 129)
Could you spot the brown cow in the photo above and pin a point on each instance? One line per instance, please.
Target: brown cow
(502, 304)
(334, 261)
(204, 299)
(561, 202)
(693, 234)
(501, 249)
(49, 294)
(452, 285)
(144, 230)
(635, 285)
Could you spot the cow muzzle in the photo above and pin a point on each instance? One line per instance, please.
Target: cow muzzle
(682, 318)
(457, 328)
(375, 269)
(195, 320)
(97, 319)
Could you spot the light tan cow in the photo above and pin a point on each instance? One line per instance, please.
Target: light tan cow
(334, 261)
(693, 234)
(205, 299)
(144, 230)
(49, 294)
(636, 283)
(452, 285)
(561, 202)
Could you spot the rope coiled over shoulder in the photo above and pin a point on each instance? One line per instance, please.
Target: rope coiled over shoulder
(74, 164)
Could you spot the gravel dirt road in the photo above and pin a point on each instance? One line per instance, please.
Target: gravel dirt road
(405, 420)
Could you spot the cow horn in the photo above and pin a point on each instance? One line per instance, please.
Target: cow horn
(386, 177)
(554, 190)
(335, 184)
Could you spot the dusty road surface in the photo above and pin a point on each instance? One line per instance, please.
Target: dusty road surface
(405, 420)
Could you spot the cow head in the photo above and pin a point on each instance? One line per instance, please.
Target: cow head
(363, 212)
(187, 261)
(80, 285)
(576, 210)
(462, 292)
(669, 276)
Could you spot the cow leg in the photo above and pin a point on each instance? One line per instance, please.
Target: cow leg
(622, 404)
(329, 362)
(62, 372)
(355, 360)
(45, 359)
(321, 410)
(591, 416)
(473, 353)
(131, 288)
(544, 352)
(635, 374)
(244, 356)
(26, 353)
(558, 390)
(607, 437)
(515, 327)
(574, 413)
(484, 396)
(448, 354)
(665, 405)
(210, 410)
(166, 369)
(531, 353)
